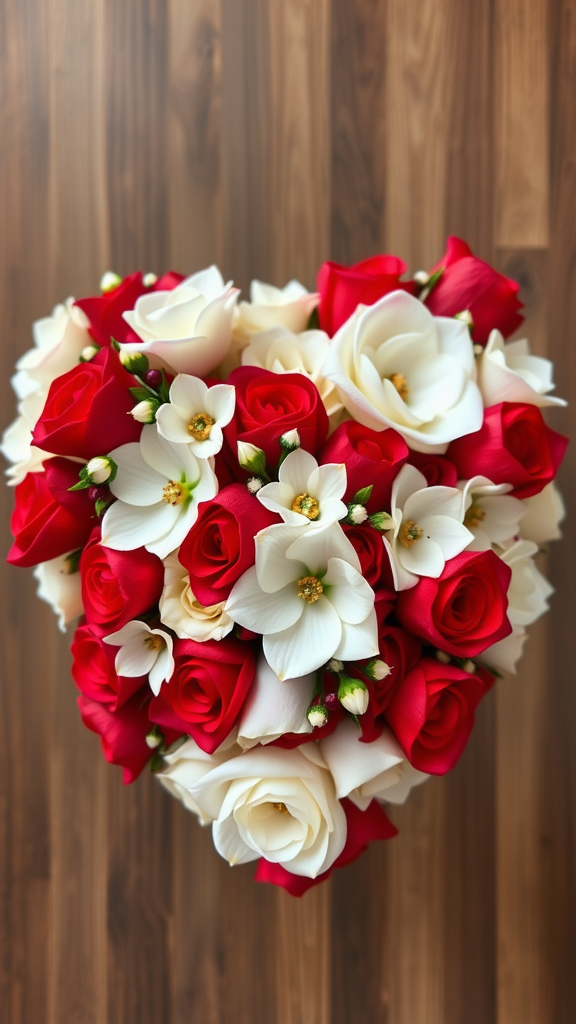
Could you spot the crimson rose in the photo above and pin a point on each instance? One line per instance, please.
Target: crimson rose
(270, 404)
(220, 545)
(370, 456)
(86, 412)
(122, 733)
(469, 283)
(48, 520)
(432, 713)
(105, 311)
(343, 288)
(207, 691)
(437, 469)
(94, 673)
(374, 560)
(514, 445)
(463, 611)
(118, 586)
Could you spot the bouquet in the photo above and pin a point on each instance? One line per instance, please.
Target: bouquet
(299, 532)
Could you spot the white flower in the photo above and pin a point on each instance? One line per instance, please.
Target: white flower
(396, 365)
(308, 598)
(361, 771)
(508, 373)
(99, 469)
(188, 764)
(17, 445)
(159, 486)
(274, 707)
(529, 590)
(188, 328)
(196, 414)
(544, 513)
(353, 696)
(503, 655)
(492, 515)
(277, 804)
(289, 307)
(183, 613)
(59, 584)
(145, 411)
(398, 792)
(427, 530)
(306, 494)
(281, 351)
(143, 652)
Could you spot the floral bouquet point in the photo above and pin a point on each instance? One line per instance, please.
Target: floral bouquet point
(299, 534)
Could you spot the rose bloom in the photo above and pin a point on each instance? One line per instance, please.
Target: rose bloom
(86, 412)
(432, 713)
(468, 283)
(463, 611)
(400, 651)
(122, 733)
(94, 673)
(181, 611)
(105, 311)
(269, 405)
(437, 469)
(48, 519)
(220, 546)
(342, 289)
(514, 446)
(374, 560)
(371, 457)
(118, 586)
(206, 693)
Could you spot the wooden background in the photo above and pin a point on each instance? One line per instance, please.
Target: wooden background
(269, 135)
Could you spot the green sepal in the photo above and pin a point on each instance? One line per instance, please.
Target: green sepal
(362, 496)
(115, 344)
(381, 521)
(100, 506)
(83, 482)
(142, 394)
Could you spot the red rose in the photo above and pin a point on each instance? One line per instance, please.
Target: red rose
(118, 586)
(469, 283)
(370, 456)
(207, 691)
(400, 651)
(363, 827)
(105, 311)
(48, 520)
(122, 733)
(86, 412)
(343, 288)
(437, 469)
(432, 713)
(94, 673)
(514, 445)
(463, 611)
(220, 545)
(269, 404)
(374, 561)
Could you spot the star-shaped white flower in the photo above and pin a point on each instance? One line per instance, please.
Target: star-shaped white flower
(306, 494)
(159, 486)
(492, 515)
(143, 652)
(196, 414)
(307, 597)
(427, 530)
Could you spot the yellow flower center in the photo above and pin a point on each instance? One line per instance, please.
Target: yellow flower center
(154, 642)
(306, 505)
(281, 807)
(409, 532)
(200, 426)
(174, 493)
(400, 383)
(474, 516)
(310, 589)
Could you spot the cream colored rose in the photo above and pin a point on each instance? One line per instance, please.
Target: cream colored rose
(182, 612)
(187, 764)
(277, 804)
(281, 351)
(289, 307)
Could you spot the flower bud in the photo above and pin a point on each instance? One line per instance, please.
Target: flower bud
(317, 715)
(353, 695)
(290, 441)
(254, 484)
(357, 514)
(144, 412)
(466, 317)
(251, 458)
(377, 669)
(149, 279)
(154, 738)
(334, 665)
(101, 469)
(109, 281)
(88, 353)
(469, 666)
(443, 657)
(421, 277)
(134, 362)
(381, 521)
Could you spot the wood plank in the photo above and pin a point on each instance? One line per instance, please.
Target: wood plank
(303, 957)
(521, 72)
(194, 134)
(300, 145)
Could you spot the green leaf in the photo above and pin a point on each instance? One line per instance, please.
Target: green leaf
(141, 394)
(363, 495)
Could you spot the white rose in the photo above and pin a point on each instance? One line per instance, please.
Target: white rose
(281, 351)
(288, 307)
(544, 513)
(274, 707)
(187, 329)
(182, 612)
(60, 586)
(277, 804)
(396, 365)
(509, 373)
(529, 590)
(361, 771)
(187, 764)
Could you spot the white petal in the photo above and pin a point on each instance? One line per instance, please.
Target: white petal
(220, 403)
(424, 558)
(434, 501)
(188, 395)
(126, 527)
(261, 612)
(135, 482)
(162, 455)
(274, 707)
(450, 536)
(296, 469)
(315, 547)
(358, 641)
(134, 659)
(229, 843)
(354, 763)
(306, 645)
(171, 425)
(274, 569)
(351, 595)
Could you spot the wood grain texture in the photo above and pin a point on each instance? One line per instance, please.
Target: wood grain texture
(267, 135)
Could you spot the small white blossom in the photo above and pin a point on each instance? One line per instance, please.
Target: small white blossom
(143, 652)
(196, 414)
(306, 494)
(144, 412)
